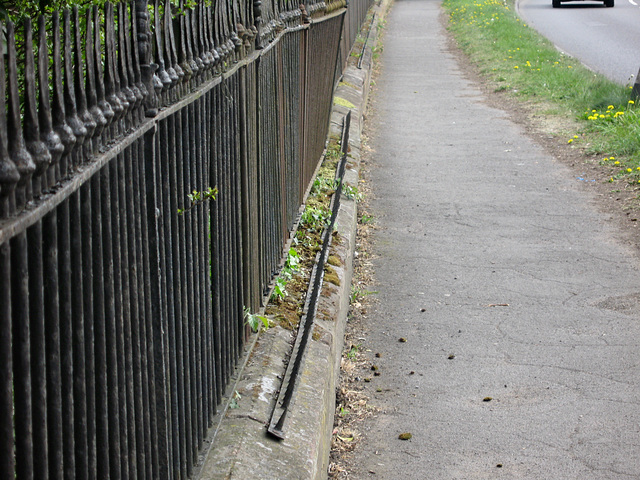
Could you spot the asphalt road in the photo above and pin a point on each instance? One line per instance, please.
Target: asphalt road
(518, 302)
(606, 40)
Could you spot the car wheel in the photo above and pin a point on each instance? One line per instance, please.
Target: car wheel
(556, 3)
(608, 3)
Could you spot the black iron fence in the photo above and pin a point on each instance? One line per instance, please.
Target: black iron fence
(153, 161)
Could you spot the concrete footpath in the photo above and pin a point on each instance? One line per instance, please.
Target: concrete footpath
(517, 296)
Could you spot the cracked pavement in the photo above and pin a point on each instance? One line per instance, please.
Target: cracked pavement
(519, 303)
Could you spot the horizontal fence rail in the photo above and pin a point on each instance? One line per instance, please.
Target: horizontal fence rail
(153, 162)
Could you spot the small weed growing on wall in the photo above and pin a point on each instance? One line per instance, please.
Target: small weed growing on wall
(255, 321)
(291, 266)
(197, 197)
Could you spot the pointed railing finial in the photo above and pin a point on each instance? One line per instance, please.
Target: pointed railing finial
(17, 147)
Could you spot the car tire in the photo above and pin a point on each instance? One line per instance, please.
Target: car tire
(556, 3)
(609, 3)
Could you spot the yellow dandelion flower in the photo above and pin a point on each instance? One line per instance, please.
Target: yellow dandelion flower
(616, 163)
(631, 102)
(629, 170)
(570, 140)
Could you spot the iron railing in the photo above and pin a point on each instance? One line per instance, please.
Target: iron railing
(121, 299)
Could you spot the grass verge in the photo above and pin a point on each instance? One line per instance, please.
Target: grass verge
(516, 60)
